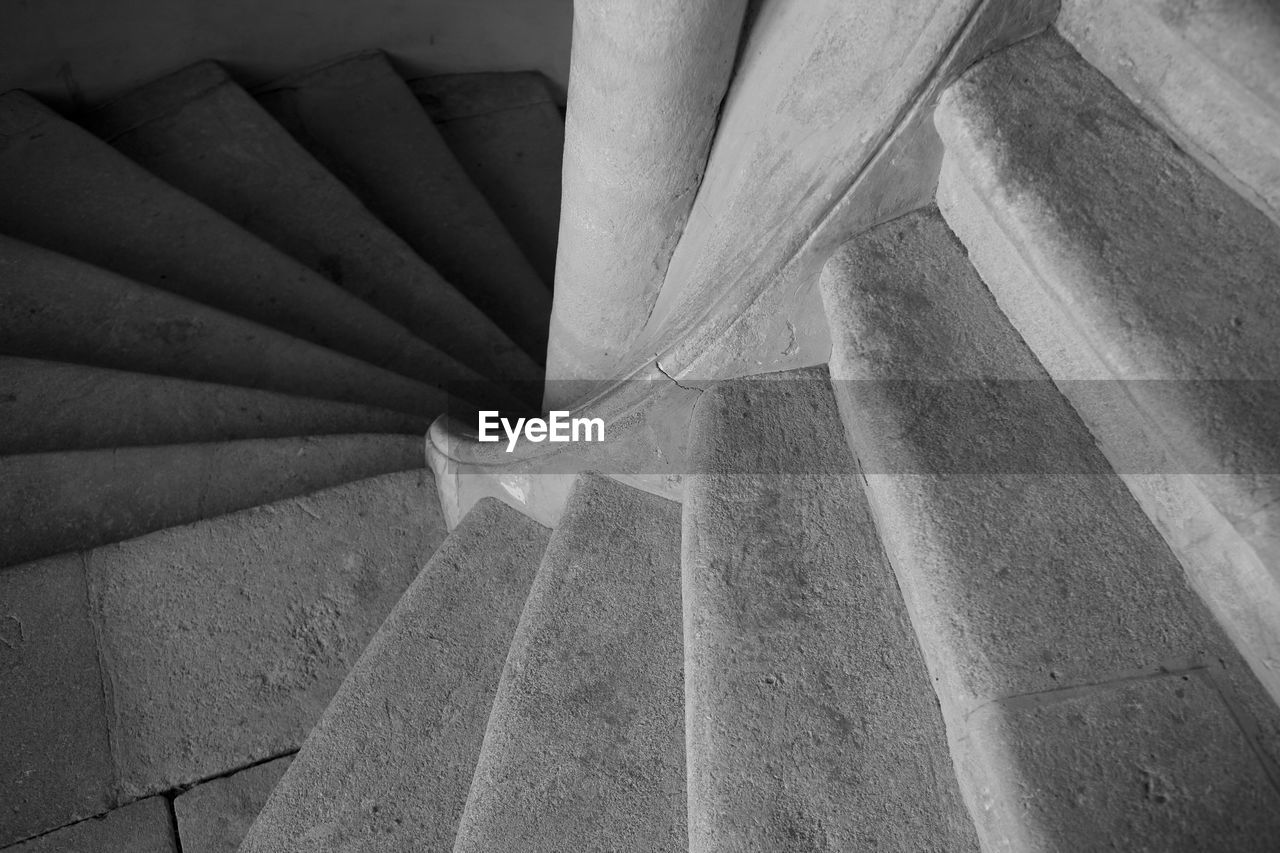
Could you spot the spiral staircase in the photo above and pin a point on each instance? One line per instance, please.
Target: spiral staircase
(937, 510)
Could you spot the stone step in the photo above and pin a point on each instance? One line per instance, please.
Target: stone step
(142, 827)
(811, 721)
(357, 116)
(194, 651)
(1207, 73)
(48, 406)
(1091, 700)
(61, 309)
(55, 502)
(206, 136)
(214, 817)
(1147, 288)
(507, 133)
(66, 190)
(419, 697)
(584, 749)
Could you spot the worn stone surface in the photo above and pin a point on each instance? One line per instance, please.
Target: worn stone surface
(55, 502)
(1026, 565)
(1208, 73)
(1122, 261)
(224, 640)
(66, 190)
(61, 309)
(213, 817)
(389, 764)
(645, 91)
(361, 120)
(49, 405)
(811, 722)
(206, 136)
(585, 749)
(55, 763)
(1156, 764)
(141, 827)
(508, 135)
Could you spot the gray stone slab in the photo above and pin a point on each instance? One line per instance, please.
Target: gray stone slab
(213, 817)
(58, 308)
(1146, 286)
(508, 135)
(55, 760)
(585, 745)
(66, 190)
(55, 502)
(206, 136)
(142, 827)
(223, 641)
(811, 720)
(361, 120)
(1025, 564)
(48, 406)
(389, 765)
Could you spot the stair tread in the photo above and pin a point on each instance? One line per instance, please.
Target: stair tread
(207, 647)
(810, 714)
(1208, 74)
(66, 190)
(1030, 573)
(141, 827)
(63, 501)
(214, 817)
(418, 697)
(1146, 286)
(359, 118)
(61, 309)
(507, 133)
(200, 132)
(584, 748)
(48, 405)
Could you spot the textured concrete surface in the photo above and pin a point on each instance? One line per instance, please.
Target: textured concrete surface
(1208, 73)
(1168, 746)
(206, 136)
(362, 121)
(1120, 259)
(584, 749)
(507, 133)
(142, 827)
(61, 309)
(66, 190)
(811, 721)
(50, 405)
(55, 760)
(214, 817)
(389, 764)
(55, 502)
(647, 82)
(1026, 565)
(223, 641)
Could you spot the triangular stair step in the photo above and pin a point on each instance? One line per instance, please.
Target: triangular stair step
(60, 309)
(66, 190)
(584, 749)
(811, 719)
(198, 650)
(359, 118)
(507, 133)
(51, 405)
(203, 134)
(1082, 680)
(55, 502)
(1148, 288)
(419, 697)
